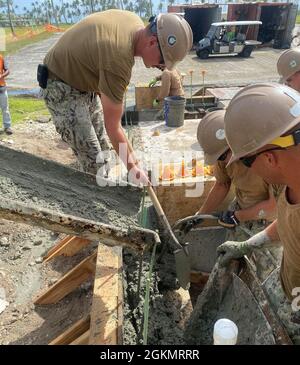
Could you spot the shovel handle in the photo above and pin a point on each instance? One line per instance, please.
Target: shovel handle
(193, 217)
(162, 216)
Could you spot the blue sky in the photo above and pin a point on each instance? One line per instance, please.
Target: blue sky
(27, 3)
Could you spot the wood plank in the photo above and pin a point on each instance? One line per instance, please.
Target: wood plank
(70, 281)
(72, 333)
(144, 97)
(82, 340)
(106, 316)
(72, 248)
(57, 246)
(177, 205)
(68, 248)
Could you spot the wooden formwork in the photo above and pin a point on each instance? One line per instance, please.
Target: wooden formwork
(177, 202)
(105, 323)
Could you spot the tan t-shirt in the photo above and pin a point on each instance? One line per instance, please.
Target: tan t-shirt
(97, 54)
(288, 225)
(171, 84)
(250, 189)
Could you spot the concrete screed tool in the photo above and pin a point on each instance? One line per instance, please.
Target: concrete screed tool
(181, 252)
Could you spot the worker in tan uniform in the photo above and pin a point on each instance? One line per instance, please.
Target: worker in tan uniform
(288, 67)
(171, 85)
(254, 205)
(96, 56)
(262, 127)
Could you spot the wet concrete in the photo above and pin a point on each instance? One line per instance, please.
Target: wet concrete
(233, 301)
(34, 181)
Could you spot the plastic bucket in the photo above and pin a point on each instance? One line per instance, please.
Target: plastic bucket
(174, 107)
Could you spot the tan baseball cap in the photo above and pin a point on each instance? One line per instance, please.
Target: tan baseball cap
(211, 136)
(288, 63)
(259, 114)
(175, 38)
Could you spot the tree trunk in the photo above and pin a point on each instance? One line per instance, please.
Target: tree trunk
(54, 13)
(10, 20)
(150, 5)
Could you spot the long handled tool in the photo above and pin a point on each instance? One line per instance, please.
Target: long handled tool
(186, 224)
(191, 88)
(181, 253)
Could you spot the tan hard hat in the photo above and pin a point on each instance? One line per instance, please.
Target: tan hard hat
(175, 38)
(288, 63)
(211, 136)
(257, 115)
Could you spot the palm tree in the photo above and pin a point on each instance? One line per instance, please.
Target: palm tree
(8, 3)
(54, 12)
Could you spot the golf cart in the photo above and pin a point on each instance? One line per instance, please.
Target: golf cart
(227, 38)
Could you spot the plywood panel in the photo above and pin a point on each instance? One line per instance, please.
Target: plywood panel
(144, 97)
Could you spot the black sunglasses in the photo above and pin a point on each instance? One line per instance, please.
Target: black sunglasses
(153, 30)
(223, 156)
(249, 160)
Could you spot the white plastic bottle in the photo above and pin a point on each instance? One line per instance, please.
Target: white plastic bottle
(225, 332)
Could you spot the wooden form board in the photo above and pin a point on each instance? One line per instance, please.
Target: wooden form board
(107, 308)
(144, 97)
(104, 325)
(70, 281)
(177, 205)
(68, 246)
(73, 333)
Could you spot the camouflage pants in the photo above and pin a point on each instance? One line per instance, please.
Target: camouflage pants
(265, 260)
(78, 118)
(282, 306)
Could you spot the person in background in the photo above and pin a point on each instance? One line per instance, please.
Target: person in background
(4, 72)
(171, 85)
(288, 68)
(229, 35)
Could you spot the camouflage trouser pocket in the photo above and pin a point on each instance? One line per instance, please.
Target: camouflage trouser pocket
(78, 118)
(282, 306)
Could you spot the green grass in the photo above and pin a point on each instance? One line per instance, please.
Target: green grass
(22, 108)
(13, 46)
(298, 19)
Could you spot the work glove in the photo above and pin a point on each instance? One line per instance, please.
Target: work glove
(155, 103)
(152, 82)
(228, 219)
(231, 250)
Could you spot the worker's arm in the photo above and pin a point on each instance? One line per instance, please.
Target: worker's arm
(165, 86)
(215, 197)
(234, 250)
(112, 119)
(262, 210)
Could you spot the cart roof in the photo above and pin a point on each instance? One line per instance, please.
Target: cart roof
(246, 22)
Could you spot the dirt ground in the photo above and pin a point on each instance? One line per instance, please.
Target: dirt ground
(22, 276)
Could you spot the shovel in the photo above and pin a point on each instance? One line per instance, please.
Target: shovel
(183, 269)
(184, 225)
